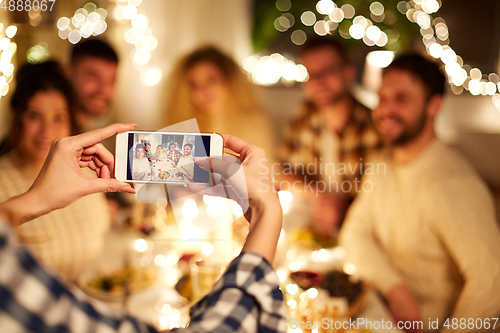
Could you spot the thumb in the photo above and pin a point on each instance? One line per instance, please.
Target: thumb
(225, 166)
(110, 185)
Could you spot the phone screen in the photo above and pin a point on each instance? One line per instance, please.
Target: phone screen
(167, 157)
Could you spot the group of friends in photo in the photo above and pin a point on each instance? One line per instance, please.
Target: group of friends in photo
(160, 165)
(426, 238)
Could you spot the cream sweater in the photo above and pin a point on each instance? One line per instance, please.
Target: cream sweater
(67, 239)
(431, 225)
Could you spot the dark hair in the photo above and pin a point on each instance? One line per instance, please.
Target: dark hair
(30, 79)
(214, 56)
(147, 144)
(315, 43)
(95, 48)
(188, 144)
(139, 146)
(425, 70)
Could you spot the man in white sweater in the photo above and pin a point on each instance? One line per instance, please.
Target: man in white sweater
(426, 236)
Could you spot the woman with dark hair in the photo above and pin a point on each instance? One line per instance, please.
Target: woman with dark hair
(41, 112)
(39, 86)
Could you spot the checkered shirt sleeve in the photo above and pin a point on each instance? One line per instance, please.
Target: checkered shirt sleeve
(246, 299)
(33, 300)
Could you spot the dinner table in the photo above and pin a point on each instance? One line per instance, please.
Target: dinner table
(162, 300)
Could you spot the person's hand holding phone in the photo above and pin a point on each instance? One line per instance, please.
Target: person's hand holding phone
(61, 180)
(245, 182)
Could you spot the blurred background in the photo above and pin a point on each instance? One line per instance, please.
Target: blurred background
(264, 36)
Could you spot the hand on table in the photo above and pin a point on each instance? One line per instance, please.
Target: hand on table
(404, 306)
(61, 180)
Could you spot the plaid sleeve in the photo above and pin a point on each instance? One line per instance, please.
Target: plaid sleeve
(33, 300)
(247, 298)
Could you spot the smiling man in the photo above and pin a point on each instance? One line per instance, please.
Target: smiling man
(187, 161)
(426, 236)
(92, 73)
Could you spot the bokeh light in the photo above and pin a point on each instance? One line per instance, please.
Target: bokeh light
(357, 31)
(325, 7)
(151, 76)
(283, 5)
(377, 8)
(36, 54)
(87, 21)
(337, 15)
(11, 31)
(321, 28)
(298, 37)
(269, 70)
(348, 11)
(308, 18)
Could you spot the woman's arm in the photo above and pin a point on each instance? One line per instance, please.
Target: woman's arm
(250, 185)
(61, 180)
(247, 297)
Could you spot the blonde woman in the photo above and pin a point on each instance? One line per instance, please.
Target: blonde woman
(208, 85)
(161, 164)
(160, 153)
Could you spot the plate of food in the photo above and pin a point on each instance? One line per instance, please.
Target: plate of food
(115, 284)
(334, 286)
(164, 175)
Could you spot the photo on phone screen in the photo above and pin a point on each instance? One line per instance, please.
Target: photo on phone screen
(167, 157)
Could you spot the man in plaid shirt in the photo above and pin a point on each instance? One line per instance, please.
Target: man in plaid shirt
(332, 134)
(174, 154)
(246, 299)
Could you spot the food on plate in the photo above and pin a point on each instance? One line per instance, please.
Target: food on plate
(339, 284)
(131, 277)
(163, 175)
(305, 279)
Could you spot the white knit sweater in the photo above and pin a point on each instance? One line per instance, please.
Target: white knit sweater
(431, 225)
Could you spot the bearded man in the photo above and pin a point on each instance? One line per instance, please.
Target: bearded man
(426, 236)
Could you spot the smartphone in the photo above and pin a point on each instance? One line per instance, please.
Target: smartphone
(166, 157)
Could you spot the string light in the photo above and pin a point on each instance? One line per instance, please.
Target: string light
(141, 36)
(269, 70)
(87, 21)
(7, 50)
(37, 53)
(435, 36)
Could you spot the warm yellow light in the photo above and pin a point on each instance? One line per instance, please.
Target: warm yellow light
(281, 275)
(207, 249)
(312, 292)
(325, 7)
(357, 31)
(349, 269)
(292, 289)
(348, 10)
(11, 31)
(63, 23)
(285, 197)
(141, 245)
(475, 74)
(321, 28)
(308, 18)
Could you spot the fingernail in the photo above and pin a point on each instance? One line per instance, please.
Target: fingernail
(127, 189)
(200, 160)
